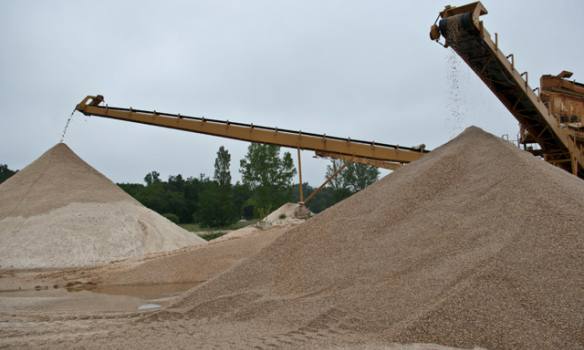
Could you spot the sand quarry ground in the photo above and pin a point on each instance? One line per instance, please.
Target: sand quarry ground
(476, 245)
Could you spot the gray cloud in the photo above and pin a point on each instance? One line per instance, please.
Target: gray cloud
(362, 69)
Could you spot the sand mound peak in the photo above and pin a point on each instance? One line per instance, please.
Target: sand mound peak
(55, 179)
(476, 244)
(59, 211)
(286, 214)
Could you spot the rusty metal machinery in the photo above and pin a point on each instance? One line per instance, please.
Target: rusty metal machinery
(550, 121)
(565, 99)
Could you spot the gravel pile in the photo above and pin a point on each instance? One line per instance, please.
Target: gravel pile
(286, 216)
(476, 244)
(60, 212)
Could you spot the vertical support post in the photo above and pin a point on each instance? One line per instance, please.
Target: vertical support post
(512, 57)
(301, 194)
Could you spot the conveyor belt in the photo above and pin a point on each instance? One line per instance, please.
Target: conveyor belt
(360, 151)
(466, 35)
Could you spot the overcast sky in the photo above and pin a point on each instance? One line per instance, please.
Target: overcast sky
(364, 69)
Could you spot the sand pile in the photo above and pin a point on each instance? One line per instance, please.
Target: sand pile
(60, 212)
(476, 244)
(191, 265)
(287, 216)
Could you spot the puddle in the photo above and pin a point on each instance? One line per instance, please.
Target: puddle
(98, 299)
(146, 291)
(148, 307)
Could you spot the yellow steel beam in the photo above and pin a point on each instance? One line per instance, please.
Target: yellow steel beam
(373, 162)
(90, 105)
(300, 193)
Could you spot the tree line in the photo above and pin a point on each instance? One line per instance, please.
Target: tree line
(5, 172)
(267, 182)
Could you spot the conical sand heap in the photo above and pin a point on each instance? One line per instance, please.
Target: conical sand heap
(60, 212)
(476, 244)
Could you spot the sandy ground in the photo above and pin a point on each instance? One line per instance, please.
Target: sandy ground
(102, 296)
(476, 245)
(127, 284)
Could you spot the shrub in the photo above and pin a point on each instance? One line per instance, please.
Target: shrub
(172, 217)
(261, 212)
(213, 235)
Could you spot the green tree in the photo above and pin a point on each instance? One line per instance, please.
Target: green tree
(262, 167)
(134, 190)
(222, 163)
(336, 183)
(353, 178)
(176, 183)
(152, 178)
(268, 175)
(339, 190)
(195, 190)
(287, 170)
(241, 200)
(357, 176)
(5, 173)
(172, 217)
(216, 205)
(154, 197)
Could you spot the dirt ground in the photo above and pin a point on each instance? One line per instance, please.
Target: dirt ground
(37, 306)
(85, 307)
(125, 285)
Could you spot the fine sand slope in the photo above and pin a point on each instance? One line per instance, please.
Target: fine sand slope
(476, 244)
(189, 266)
(60, 212)
(125, 285)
